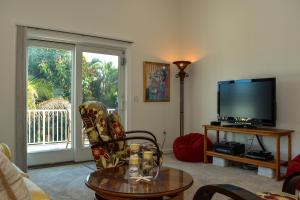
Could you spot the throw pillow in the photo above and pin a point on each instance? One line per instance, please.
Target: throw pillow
(12, 186)
(5, 149)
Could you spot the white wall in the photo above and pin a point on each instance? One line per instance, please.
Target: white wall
(151, 25)
(237, 39)
(232, 39)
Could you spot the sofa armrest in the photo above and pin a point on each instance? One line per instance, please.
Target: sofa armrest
(6, 151)
(234, 192)
(36, 192)
(23, 174)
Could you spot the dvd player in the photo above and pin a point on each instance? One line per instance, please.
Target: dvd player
(260, 155)
(233, 148)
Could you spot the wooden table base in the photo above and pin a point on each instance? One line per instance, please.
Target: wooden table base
(177, 197)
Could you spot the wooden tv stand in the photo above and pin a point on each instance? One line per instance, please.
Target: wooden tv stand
(277, 133)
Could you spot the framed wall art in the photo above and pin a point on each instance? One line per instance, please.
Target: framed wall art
(156, 82)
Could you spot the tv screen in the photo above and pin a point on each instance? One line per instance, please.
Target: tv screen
(250, 101)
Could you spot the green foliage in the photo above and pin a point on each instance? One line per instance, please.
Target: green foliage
(49, 76)
(31, 96)
(38, 90)
(52, 68)
(100, 82)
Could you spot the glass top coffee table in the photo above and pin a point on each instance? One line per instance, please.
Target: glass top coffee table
(113, 183)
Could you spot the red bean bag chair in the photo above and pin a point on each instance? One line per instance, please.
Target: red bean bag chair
(190, 147)
(294, 166)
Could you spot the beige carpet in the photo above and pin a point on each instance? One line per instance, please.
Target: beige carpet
(67, 182)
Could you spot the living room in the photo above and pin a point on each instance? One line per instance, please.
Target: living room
(224, 40)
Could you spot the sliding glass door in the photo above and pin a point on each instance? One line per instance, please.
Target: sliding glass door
(57, 84)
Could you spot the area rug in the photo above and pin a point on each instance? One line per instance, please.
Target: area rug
(67, 182)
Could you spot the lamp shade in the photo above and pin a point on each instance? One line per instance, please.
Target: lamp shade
(182, 64)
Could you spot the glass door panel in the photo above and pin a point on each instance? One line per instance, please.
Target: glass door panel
(49, 86)
(100, 81)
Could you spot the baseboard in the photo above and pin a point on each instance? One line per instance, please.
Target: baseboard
(167, 151)
(58, 164)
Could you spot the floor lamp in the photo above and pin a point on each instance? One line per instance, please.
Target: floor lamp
(181, 74)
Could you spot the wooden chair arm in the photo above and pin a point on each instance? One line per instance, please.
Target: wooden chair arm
(135, 138)
(234, 192)
(142, 131)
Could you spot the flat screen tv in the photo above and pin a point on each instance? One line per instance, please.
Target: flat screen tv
(249, 101)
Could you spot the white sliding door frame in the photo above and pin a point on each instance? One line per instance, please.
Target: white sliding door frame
(20, 99)
(25, 33)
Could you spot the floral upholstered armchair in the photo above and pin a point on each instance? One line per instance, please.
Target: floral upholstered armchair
(107, 137)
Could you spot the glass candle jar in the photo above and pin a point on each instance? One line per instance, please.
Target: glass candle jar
(134, 149)
(134, 166)
(148, 164)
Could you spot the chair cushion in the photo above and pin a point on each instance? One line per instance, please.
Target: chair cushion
(115, 127)
(94, 117)
(190, 147)
(117, 132)
(102, 129)
(12, 185)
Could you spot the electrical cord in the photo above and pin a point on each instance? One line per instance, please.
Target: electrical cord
(260, 143)
(251, 144)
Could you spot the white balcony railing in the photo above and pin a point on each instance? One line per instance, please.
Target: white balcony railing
(49, 126)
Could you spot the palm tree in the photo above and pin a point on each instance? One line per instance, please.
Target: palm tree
(38, 90)
(32, 95)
